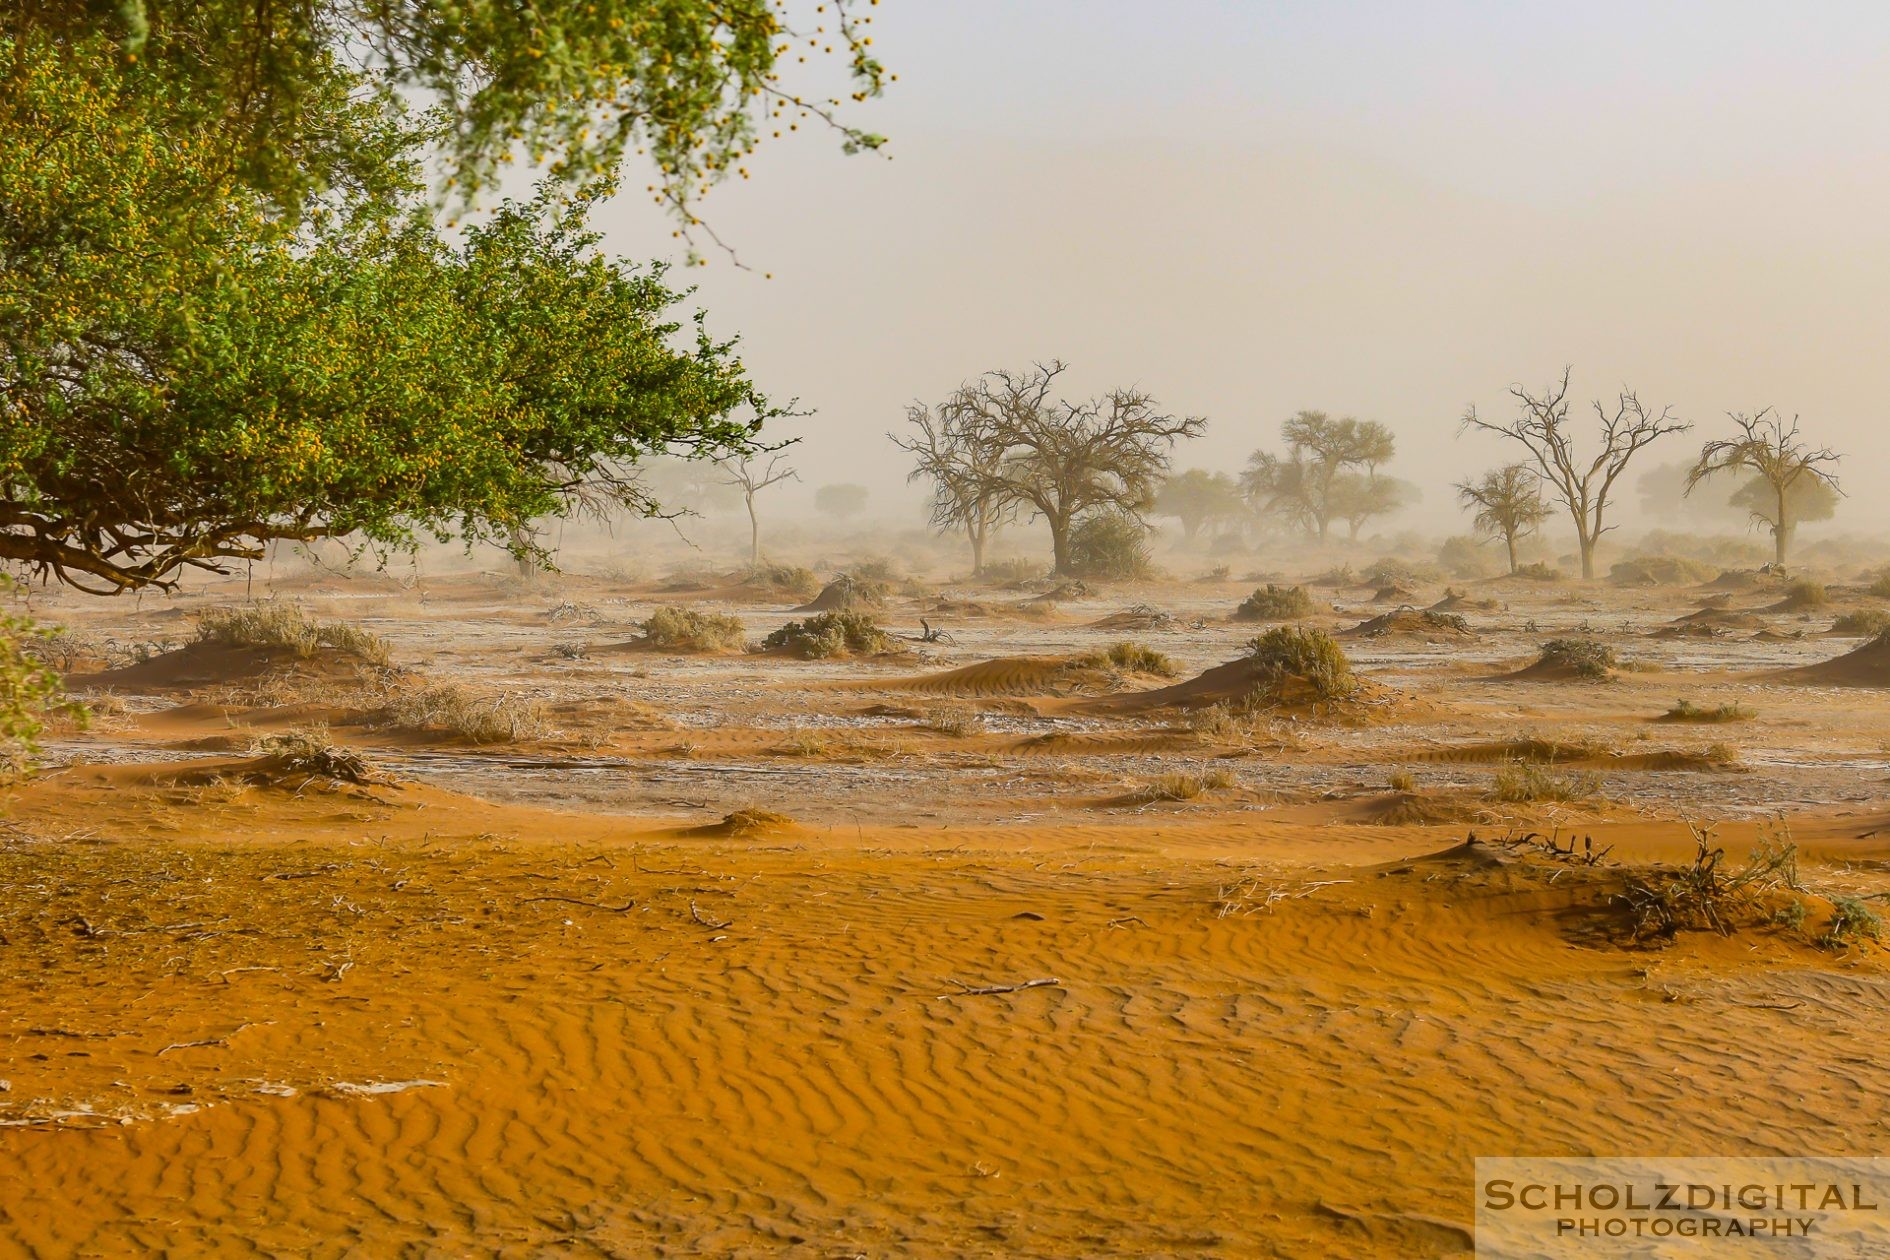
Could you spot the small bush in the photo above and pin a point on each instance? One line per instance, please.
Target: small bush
(1465, 557)
(784, 579)
(310, 750)
(1392, 571)
(450, 709)
(1538, 572)
(1865, 623)
(1687, 711)
(1805, 593)
(830, 634)
(1130, 658)
(1312, 657)
(287, 627)
(1112, 545)
(1184, 787)
(1013, 569)
(1585, 658)
(687, 630)
(1661, 571)
(1880, 587)
(957, 720)
(1520, 782)
(30, 692)
(1852, 923)
(1403, 781)
(1276, 603)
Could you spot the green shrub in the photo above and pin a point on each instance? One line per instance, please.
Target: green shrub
(286, 627)
(1866, 623)
(687, 630)
(1586, 658)
(1111, 545)
(1852, 923)
(830, 634)
(1276, 603)
(30, 692)
(1286, 654)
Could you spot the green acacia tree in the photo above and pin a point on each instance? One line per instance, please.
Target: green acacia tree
(687, 88)
(187, 374)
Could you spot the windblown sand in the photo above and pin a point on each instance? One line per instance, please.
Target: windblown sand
(539, 999)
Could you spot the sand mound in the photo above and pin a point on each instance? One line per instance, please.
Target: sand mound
(1413, 623)
(1723, 618)
(1412, 809)
(746, 824)
(1002, 676)
(1865, 666)
(1455, 600)
(1393, 592)
(1140, 617)
(199, 665)
(846, 592)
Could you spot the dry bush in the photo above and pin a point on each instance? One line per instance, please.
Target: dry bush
(1184, 787)
(1865, 623)
(286, 626)
(1529, 782)
(687, 630)
(830, 634)
(957, 720)
(311, 751)
(1402, 781)
(448, 708)
(1661, 571)
(1111, 545)
(1669, 899)
(784, 579)
(1012, 569)
(1585, 658)
(1276, 603)
(1686, 711)
(1538, 572)
(1805, 593)
(1287, 654)
(1130, 658)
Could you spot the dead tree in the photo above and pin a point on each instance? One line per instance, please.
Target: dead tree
(751, 480)
(1584, 486)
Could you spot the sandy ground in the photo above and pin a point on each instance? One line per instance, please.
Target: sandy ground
(968, 987)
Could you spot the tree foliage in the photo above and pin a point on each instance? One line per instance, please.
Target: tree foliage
(1198, 498)
(1790, 483)
(1508, 504)
(1329, 472)
(185, 375)
(1061, 459)
(689, 86)
(1584, 485)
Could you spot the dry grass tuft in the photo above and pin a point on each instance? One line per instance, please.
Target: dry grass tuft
(287, 627)
(456, 711)
(687, 630)
(1529, 782)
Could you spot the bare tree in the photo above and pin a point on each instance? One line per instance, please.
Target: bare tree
(1063, 458)
(965, 494)
(1793, 480)
(1508, 503)
(751, 479)
(1320, 452)
(1585, 487)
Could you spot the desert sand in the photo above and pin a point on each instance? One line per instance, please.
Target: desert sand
(981, 946)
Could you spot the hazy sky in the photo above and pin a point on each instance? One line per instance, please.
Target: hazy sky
(1388, 210)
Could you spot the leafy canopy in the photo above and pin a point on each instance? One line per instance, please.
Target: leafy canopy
(687, 86)
(186, 373)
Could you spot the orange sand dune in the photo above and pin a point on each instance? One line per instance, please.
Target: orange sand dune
(628, 1046)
